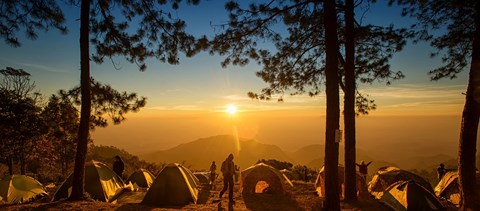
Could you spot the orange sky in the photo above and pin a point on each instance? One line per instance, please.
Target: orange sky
(153, 130)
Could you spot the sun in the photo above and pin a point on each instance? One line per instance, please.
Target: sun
(231, 109)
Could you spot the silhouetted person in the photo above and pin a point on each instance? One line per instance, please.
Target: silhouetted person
(118, 166)
(441, 170)
(228, 170)
(213, 169)
(363, 169)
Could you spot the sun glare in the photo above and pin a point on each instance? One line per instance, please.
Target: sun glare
(231, 109)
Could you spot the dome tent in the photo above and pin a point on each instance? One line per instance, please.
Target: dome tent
(277, 182)
(203, 177)
(142, 178)
(17, 189)
(387, 176)
(409, 195)
(449, 188)
(100, 182)
(174, 185)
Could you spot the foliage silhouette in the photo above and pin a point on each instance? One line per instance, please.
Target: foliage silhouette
(453, 28)
(20, 123)
(159, 35)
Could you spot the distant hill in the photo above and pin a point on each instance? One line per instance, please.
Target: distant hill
(426, 162)
(106, 154)
(200, 153)
(313, 157)
(308, 153)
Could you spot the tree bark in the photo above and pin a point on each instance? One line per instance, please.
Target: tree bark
(22, 162)
(10, 165)
(332, 198)
(469, 127)
(79, 168)
(349, 104)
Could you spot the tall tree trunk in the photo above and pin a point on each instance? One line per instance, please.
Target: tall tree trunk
(349, 104)
(22, 162)
(79, 169)
(469, 128)
(332, 198)
(10, 164)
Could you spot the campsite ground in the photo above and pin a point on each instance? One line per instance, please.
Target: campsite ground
(301, 197)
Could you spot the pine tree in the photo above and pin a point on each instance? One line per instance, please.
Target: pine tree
(453, 27)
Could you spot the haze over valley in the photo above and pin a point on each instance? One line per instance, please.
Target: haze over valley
(405, 141)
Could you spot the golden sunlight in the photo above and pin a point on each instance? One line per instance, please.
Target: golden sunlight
(231, 109)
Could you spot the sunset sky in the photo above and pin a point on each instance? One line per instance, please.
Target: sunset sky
(187, 101)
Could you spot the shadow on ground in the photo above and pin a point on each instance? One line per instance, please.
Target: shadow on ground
(132, 201)
(204, 194)
(265, 201)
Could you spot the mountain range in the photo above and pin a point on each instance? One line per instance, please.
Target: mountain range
(199, 154)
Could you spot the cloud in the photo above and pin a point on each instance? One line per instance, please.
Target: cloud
(45, 68)
(418, 98)
(173, 90)
(245, 104)
(287, 98)
(405, 97)
(187, 108)
(415, 91)
(433, 103)
(177, 108)
(157, 108)
(237, 97)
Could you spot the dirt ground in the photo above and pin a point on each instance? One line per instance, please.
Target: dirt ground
(300, 197)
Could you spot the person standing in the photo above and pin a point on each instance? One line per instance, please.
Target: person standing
(118, 166)
(441, 171)
(363, 169)
(228, 170)
(213, 169)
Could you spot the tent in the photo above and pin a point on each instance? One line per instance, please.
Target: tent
(320, 182)
(276, 181)
(203, 177)
(448, 188)
(409, 195)
(100, 182)
(174, 185)
(387, 176)
(289, 174)
(142, 178)
(17, 189)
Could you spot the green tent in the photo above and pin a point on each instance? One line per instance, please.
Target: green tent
(449, 188)
(203, 177)
(17, 189)
(409, 195)
(386, 176)
(276, 181)
(142, 178)
(100, 182)
(174, 185)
